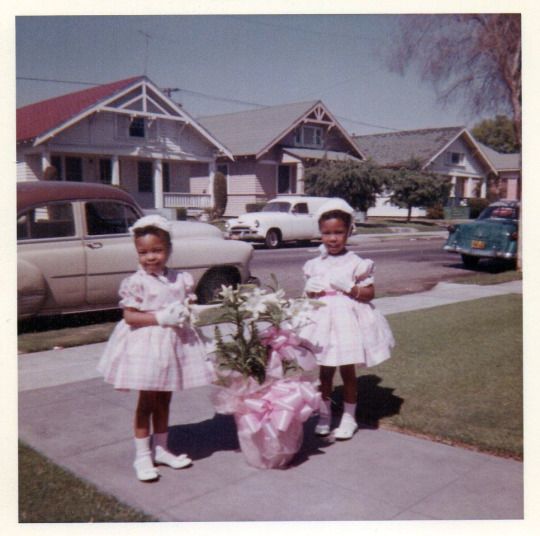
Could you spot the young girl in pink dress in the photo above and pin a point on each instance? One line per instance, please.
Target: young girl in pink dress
(348, 330)
(154, 349)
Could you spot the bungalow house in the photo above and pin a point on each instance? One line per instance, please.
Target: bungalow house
(451, 152)
(508, 165)
(126, 133)
(272, 146)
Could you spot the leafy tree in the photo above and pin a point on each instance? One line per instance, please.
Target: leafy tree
(496, 133)
(474, 56)
(356, 182)
(411, 187)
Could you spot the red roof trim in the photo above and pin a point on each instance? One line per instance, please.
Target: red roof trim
(40, 117)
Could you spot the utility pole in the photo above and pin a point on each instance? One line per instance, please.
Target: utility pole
(147, 36)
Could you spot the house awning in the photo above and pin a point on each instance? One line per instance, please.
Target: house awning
(318, 154)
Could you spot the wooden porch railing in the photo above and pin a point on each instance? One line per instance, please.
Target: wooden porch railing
(183, 200)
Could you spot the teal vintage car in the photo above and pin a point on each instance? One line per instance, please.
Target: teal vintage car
(493, 235)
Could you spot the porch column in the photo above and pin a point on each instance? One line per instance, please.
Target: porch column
(469, 189)
(157, 167)
(453, 182)
(211, 175)
(483, 187)
(115, 170)
(45, 162)
(300, 178)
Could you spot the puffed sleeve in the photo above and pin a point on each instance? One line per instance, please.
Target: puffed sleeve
(131, 292)
(308, 269)
(364, 273)
(187, 279)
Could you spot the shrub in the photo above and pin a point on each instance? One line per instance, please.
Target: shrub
(181, 213)
(220, 195)
(476, 205)
(436, 212)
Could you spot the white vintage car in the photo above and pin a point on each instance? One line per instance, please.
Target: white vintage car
(283, 219)
(74, 249)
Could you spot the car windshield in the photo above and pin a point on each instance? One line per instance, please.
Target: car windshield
(276, 206)
(500, 212)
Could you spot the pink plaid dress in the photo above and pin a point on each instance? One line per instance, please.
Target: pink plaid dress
(346, 331)
(155, 358)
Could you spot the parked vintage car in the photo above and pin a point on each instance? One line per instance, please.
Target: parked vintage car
(285, 218)
(74, 249)
(493, 235)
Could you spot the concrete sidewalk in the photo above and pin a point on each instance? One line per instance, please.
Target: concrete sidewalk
(69, 414)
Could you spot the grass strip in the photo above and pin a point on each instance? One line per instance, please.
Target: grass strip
(455, 375)
(50, 494)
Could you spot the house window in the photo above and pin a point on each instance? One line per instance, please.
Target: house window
(166, 173)
(136, 127)
(309, 136)
(455, 159)
(74, 169)
(105, 171)
(145, 179)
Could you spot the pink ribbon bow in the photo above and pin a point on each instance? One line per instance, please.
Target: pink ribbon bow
(286, 345)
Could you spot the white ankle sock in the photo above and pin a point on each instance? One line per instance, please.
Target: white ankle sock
(325, 411)
(350, 409)
(142, 447)
(161, 440)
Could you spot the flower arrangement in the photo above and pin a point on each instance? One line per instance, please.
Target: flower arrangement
(262, 340)
(260, 361)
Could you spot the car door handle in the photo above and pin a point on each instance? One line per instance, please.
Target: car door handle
(94, 245)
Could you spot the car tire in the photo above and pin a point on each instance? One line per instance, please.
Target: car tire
(273, 239)
(469, 261)
(209, 286)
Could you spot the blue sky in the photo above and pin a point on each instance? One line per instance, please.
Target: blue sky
(218, 60)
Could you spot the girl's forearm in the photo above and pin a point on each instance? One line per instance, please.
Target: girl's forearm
(139, 319)
(362, 294)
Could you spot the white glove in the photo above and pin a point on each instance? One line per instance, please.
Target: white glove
(341, 283)
(173, 315)
(315, 285)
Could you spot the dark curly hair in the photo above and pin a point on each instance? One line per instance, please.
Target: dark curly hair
(156, 231)
(336, 214)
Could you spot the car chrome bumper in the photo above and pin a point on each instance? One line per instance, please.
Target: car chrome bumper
(480, 252)
(244, 234)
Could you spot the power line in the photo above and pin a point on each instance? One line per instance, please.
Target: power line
(168, 92)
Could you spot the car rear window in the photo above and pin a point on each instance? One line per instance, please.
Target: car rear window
(53, 220)
(500, 212)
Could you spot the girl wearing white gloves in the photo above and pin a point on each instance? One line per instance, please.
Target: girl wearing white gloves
(348, 331)
(154, 349)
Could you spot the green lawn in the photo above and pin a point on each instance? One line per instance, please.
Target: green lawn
(50, 494)
(455, 375)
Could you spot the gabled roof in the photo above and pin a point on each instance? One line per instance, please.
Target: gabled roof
(396, 148)
(40, 117)
(137, 95)
(501, 161)
(254, 132)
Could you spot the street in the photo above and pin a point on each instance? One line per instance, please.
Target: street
(402, 265)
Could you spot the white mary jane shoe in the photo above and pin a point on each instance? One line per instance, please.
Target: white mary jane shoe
(164, 457)
(145, 470)
(347, 428)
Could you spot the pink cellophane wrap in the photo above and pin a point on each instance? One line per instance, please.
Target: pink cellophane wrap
(269, 417)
